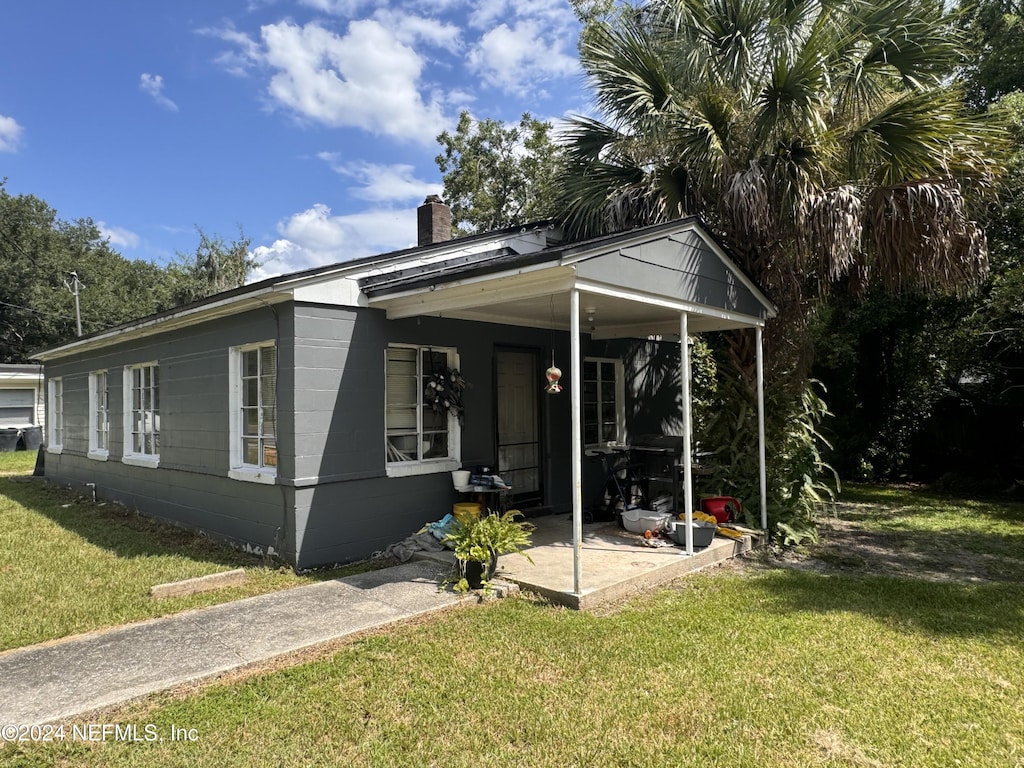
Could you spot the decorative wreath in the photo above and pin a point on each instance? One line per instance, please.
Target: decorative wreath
(444, 392)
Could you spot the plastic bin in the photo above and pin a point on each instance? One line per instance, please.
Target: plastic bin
(32, 438)
(703, 533)
(9, 439)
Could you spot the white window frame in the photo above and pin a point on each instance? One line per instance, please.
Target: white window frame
(238, 469)
(620, 400)
(99, 415)
(424, 466)
(129, 455)
(55, 416)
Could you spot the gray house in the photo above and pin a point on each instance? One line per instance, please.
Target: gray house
(291, 416)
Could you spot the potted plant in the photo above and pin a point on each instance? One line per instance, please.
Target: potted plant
(478, 542)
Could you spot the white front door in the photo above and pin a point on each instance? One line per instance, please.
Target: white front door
(518, 383)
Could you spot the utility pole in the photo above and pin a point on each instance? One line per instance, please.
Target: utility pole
(73, 287)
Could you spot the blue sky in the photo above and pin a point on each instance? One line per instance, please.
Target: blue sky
(309, 123)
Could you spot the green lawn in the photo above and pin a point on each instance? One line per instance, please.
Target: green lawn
(762, 666)
(68, 565)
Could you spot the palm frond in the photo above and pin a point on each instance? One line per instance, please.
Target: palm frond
(920, 236)
(628, 74)
(831, 227)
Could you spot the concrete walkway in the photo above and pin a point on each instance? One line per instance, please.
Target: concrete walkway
(67, 678)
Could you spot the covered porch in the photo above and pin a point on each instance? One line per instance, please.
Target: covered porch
(664, 282)
(615, 564)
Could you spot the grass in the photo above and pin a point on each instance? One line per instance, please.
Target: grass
(68, 565)
(927, 524)
(752, 667)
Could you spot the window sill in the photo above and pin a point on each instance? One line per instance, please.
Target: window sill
(98, 455)
(55, 449)
(253, 475)
(409, 468)
(141, 460)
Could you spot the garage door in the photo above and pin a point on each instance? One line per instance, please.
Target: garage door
(17, 407)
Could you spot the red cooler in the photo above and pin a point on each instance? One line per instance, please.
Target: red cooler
(724, 508)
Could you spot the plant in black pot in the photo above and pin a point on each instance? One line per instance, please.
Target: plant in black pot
(478, 542)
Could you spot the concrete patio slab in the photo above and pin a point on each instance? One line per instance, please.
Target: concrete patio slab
(615, 563)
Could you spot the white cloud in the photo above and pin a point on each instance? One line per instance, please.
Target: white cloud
(382, 183)
(10, 134)
(411, 29)
(367, 79)
(237, 62)
(487, 12)
(118, 236)
(516, 59)
(315, 237)
(346, 8)
(154, 86)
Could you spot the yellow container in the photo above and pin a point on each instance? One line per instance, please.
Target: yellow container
(466, 511)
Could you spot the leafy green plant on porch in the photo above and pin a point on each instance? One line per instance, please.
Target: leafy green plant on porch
(483, 539)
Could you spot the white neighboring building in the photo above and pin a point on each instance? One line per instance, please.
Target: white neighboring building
(22, 397)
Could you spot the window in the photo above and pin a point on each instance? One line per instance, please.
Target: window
(604, 409)
(419, 439)
(55, 420)
(99, 416)
(17, 407)
(142, 415)
(253, 403)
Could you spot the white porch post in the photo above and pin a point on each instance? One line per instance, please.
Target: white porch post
(576, 461)
(684, 357)
(760, 429)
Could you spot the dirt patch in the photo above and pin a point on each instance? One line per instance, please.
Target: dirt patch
(846, 545)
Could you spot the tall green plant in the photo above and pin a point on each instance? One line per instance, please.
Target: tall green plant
(799, 480)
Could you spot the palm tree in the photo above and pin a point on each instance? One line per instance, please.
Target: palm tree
(823, 141)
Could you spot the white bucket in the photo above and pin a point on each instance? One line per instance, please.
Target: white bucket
(460, 478)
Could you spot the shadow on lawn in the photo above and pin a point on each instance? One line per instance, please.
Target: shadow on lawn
(958, 610)
(901, 557)
(893, 502)
(119, 530)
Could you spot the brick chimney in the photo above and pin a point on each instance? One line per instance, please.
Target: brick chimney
(434, 221)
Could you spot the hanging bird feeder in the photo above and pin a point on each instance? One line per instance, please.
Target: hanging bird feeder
(553, 374)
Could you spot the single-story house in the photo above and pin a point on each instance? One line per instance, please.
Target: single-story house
(292, 415)
(22, 403)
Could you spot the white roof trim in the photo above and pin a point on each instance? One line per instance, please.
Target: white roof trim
(162, 323)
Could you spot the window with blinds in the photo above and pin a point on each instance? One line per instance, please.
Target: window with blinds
(415, 431)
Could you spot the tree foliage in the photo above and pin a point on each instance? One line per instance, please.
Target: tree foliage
(995, 66)
(215, 266)
(497, 175)
(932, 388)
(824, 143)
(38, 251)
